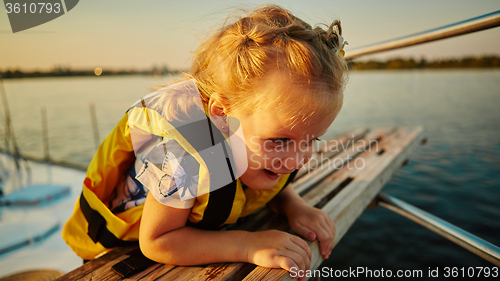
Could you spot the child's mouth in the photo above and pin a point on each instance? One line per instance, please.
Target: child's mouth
(272, 175)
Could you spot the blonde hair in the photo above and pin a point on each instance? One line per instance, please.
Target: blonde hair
(241, 55)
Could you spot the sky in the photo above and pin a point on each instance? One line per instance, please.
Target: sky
(115, 34)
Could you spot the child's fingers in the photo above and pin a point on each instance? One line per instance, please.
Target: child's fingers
(303, 245)
(300, 252)
(305, 231)
(325, 237)
(331, 224)
(324, 242)
(331, 230)
(322, 231)
(298, 258)
(287, 264)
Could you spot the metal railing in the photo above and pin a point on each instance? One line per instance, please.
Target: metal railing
(457, 235)
(459, 28)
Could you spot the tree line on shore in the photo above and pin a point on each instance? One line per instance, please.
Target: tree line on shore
(396, 63)
(66, 71)
(400, 63)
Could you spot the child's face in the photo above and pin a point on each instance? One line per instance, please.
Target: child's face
(274, 146)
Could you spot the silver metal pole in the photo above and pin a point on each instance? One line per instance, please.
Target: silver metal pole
(45, 135)
(7, 129)
(463, 27)
(93, 118)
(457, 235)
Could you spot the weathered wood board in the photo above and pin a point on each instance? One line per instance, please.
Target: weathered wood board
(343, 178)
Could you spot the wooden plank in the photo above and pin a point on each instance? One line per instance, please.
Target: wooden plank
(252, 224)
(350, 136)
(226, 271)
(350, 202)
(257, 274)
(304, 183)
(181, 273)
(280, 223)
(141, 275)
(104, 272)
(269, 220)
(348, 171)
(346, 207)
(331, 147)
(94, 265)
(275, 221)
(348, 191)
(159, 272)
(356, 205)
(275, 274)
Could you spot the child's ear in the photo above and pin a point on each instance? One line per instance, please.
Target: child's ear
(217, 113)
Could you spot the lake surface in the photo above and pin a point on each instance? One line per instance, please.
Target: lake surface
(455, 176)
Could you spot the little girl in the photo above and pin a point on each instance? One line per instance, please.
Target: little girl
(218, 145)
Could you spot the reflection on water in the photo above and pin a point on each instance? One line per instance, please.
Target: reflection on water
(455, 176)
(67, 102)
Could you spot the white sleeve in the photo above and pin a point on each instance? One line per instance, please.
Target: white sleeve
(163, 186)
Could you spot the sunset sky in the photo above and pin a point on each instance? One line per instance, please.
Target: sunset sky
(141, 34)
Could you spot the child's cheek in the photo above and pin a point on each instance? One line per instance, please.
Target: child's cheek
(240, 151)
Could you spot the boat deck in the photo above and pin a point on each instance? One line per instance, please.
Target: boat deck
(342, 179)
(32, 216)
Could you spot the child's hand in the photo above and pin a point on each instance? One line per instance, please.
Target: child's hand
(278, 249)
(312, 223)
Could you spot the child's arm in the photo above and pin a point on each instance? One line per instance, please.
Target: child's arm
(165, 238)
(307, 221)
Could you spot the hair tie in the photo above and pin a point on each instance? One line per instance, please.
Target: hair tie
(341, 44)
(286, 31)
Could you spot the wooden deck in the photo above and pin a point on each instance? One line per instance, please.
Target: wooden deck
(343, 179)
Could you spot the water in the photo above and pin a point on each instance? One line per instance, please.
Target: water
(455, 176)
(67, 104)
